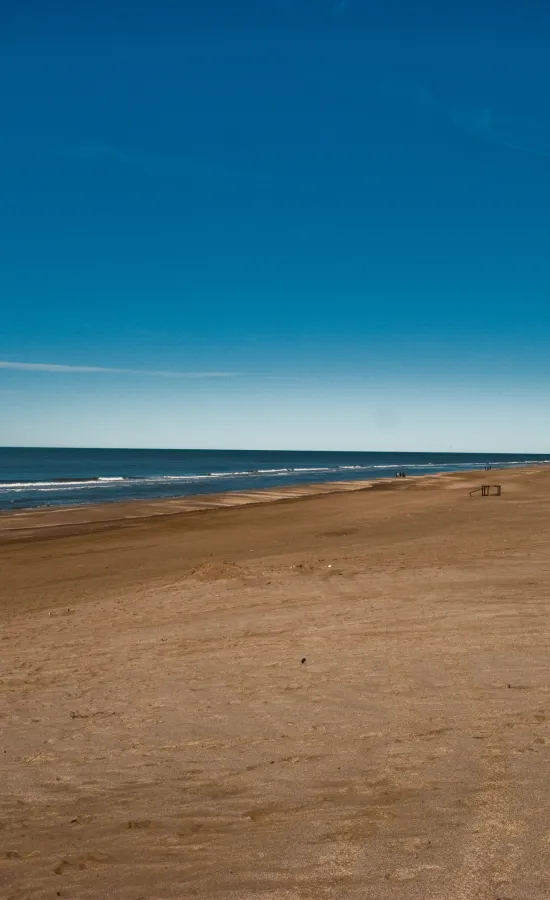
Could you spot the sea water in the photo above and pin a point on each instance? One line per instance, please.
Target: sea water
(33, 477)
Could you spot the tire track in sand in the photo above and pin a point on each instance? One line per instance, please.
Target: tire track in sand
(493, 853)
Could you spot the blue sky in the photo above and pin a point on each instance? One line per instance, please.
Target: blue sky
(275, 223)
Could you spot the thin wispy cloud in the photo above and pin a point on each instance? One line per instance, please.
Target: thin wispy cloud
(310, 7)
(151, 162)
(292, 378)
(513, 132)
(106, 370)
(519, 133)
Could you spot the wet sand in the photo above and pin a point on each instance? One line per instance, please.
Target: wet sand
(342, 695)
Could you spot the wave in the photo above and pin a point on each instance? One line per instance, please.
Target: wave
(57, 483)
(61, 481)
(69, 483)
(103, 483)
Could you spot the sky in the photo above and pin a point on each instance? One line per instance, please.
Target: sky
(287, 224)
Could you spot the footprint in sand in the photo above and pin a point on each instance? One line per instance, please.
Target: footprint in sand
(81, 862)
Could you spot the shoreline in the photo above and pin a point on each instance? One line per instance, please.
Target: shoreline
(95, 516)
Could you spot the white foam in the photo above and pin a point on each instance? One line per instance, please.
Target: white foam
(39, 485)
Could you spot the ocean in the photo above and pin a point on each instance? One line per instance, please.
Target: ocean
(33, 477)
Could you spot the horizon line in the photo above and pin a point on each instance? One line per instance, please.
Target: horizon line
(270, 450)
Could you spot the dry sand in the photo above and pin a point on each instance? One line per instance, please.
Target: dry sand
(340, 696)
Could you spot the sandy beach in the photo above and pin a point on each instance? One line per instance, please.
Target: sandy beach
(312, 693)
